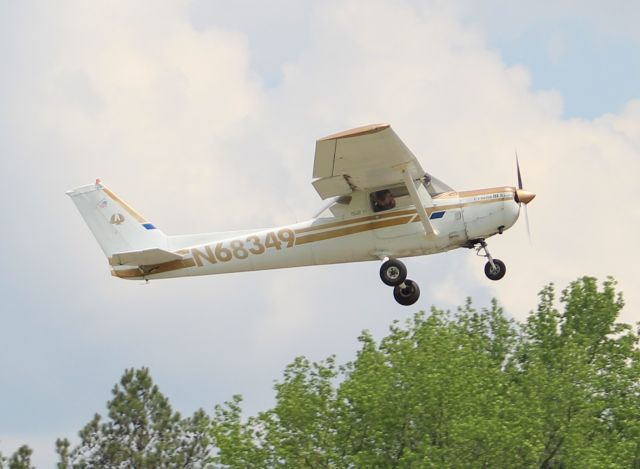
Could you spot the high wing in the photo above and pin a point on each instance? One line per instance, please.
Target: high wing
(364, 158)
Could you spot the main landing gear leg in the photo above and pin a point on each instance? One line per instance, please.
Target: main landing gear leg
(494, 269)
(394, 273)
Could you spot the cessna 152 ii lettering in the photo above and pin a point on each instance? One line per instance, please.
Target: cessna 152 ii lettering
(383, 206)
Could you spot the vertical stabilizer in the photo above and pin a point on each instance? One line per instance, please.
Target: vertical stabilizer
(115, 224)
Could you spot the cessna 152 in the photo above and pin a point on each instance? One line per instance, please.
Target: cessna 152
(384, 206)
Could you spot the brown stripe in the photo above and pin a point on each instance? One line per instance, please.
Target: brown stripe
(430, 210)
(166, 267)
(491, 190)
(377, 216)
(381, 221)
(311, 238)
(380, 216)
(357, 132)
(174, 265)
(125, 205)
(360, 227)
(442, 208)
(128, 273)
(446, 195)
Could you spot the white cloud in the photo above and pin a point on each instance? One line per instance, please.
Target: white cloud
(464, 113)
(177, 121)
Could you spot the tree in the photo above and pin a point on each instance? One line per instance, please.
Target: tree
(21, 459)
(577, 376)
(470, 389)
(465, 390)
(236, 440)
(142, 431)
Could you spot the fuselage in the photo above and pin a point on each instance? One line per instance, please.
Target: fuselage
(460, 218)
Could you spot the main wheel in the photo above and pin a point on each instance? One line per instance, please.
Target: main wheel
(408, 295)
(495, 273)
(393, 272)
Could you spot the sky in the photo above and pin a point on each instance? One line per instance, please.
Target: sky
(204, 114)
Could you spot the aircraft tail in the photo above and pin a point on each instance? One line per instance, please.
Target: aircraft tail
(117, 227)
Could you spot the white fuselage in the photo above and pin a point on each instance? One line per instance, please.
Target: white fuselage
(460, 218)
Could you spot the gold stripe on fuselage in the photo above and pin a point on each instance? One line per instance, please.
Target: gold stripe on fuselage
(161, 268)
(335, 224)
(490, 190)
(313, 237)
(344, 226)
(324, 231)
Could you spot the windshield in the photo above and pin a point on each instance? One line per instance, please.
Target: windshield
(434, 185)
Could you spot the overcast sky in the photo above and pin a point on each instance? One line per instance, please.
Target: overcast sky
(204, 114)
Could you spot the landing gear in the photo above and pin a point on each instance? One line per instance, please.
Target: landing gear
(495, 268)
(495, 271)
(408, 295)
(394, 273)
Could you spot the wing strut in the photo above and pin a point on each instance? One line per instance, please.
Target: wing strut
(429, 230)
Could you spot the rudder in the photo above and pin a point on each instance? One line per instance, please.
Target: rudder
(115, 224)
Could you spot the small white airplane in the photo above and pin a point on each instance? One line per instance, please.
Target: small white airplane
(383, 206)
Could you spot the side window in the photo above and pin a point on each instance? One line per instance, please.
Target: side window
(386, 199)
(382, 200)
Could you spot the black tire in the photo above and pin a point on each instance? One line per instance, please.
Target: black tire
(498, 272)
(408, 295)
(393, 272)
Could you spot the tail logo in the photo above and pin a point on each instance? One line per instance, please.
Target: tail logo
(116, 219)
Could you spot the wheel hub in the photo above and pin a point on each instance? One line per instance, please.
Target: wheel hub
(393, 272)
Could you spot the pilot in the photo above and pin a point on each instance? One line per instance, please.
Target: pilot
(383, 200)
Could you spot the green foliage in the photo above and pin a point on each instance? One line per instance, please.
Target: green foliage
(21, 459)
(465, 390)
(470, 389)
(142, 431)
(578, 376)
(234, 439)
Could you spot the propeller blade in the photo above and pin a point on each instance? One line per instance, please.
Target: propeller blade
(523, 197)
(519, 176)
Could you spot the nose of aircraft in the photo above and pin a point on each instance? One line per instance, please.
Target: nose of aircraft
(523, 196)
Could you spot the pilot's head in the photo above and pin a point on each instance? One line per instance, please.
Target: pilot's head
(385, 200)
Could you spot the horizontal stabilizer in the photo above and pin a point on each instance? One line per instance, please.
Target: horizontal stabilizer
(153, 256)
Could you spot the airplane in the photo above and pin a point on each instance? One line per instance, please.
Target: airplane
(382, 206)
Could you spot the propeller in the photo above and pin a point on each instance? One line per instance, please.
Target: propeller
(523, 197)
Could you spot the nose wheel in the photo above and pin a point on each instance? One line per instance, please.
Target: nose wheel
(394, 273)
(494, 269)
